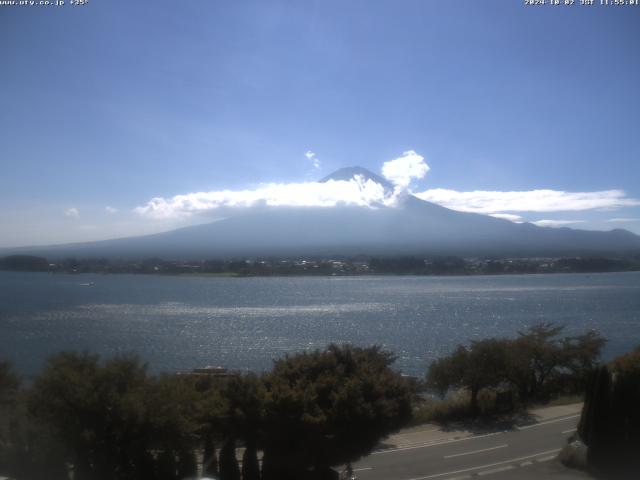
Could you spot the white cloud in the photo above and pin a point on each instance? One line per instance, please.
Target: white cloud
(556, 223)
(313, 159)
(507, 216)
(356, 192)
(401, 171)
(110, 210)
(72, 212)
(623, 220)
(359, 191)
(527, 201)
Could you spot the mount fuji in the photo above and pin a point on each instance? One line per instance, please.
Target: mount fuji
(411, 227)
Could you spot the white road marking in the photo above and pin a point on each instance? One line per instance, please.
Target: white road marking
(434, 444)
(362, 469)
(525, 427)
(476, 451)
(527, 463)
(512, 460)
(570, 430)
(545, 459)
(497, 470)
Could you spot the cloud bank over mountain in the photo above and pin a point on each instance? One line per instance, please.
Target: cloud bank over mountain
(355, 211)
(357, 191)
(361, 190)
(527, 201)
(556, 223)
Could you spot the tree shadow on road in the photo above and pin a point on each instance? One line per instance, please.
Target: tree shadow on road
(489, 424)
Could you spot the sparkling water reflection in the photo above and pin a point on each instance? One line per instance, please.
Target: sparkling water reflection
(183, 322)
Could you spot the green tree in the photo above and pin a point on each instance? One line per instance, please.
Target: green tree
(112, 415)
(209, 459)
(229, 469)
(167, 466)
(174, 411)
(9, 382)
(241, 416)
(581, 355)
(540, 363)
(27, 449)
(250, 465)
(542, 354)
(330, 407)
(187, 464)
(610, 421)
(241, 412)
(64, 398)
(481, 365)
(97, 411)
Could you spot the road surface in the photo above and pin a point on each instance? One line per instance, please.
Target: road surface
(498, 454)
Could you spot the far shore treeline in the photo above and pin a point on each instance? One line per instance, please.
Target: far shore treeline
(327, 265)
(312, 413)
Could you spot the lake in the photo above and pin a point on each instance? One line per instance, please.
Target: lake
(181, 322)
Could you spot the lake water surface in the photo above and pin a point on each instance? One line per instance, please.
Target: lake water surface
(178, 323)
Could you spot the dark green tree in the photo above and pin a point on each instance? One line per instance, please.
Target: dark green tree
(610, 421)
(174, 411)
(481, 365)
(27, 449)
(187, 464)
(330, 407)
(242, 409)
(250, 465)
(110, 415)
(537, 364)
(580, 358)
(9, 383)
(8, 392)
(98, 411)
(595, 422)
(167, 466)
(543, 355)
(229, 469)
(540, 363)
(209, 458)
(145, 465)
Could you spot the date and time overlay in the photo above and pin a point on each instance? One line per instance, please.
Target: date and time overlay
(527, 3)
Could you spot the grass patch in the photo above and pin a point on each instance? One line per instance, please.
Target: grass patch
(456, 407)
(431, 410)
(561, 400)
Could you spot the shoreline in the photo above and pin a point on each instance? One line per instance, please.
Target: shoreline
(321, 275)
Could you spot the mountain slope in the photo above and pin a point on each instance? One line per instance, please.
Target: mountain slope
(415, 227)
(348, 173)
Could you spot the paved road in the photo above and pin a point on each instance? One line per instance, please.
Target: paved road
(495, 454)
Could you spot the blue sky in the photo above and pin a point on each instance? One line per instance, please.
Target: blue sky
(115, 103)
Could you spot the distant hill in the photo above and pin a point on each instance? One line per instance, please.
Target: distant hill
(27, 263)
(415, 227)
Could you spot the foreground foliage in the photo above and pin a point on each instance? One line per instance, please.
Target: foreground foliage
(536, 365)
(106, 420)
(111, 419)
(610, 422)
(331, 407)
